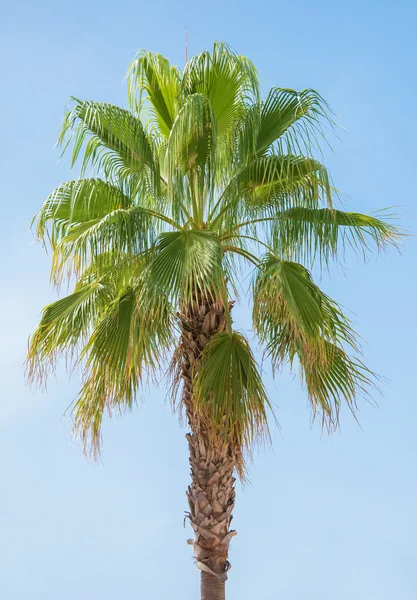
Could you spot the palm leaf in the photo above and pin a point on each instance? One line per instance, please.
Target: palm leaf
(229, 82)
(117, 141)
(122, 230)
(88, 217)
(295, 319)
(76, 202)
(229, 391)
(191, 141)
(64, 325)
(304, 233)
(267, 185)
(187, 263)
(284, 180)
(127, 342)
(152, 75)
(338, 380)
(298, 116)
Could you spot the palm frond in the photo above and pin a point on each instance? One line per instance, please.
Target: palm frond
(88, 217)
(64, 325)
(187, 263)
(307, 233)
(229, 82)
(127, 344)
(75, 202)
(191, 138)
(151, 78)
(230, 393)
(270, 184)
(67, 323)
(284, 180)
(117, 142)
(190, 152)
(337, 381)
(297, 119)
(295, 319)
(118, 269)
(120, 231)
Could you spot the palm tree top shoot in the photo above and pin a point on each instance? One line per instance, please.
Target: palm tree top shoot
(201, 178)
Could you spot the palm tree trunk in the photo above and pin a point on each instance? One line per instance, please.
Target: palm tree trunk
(211, 494)
(211, 498)
(211, 588)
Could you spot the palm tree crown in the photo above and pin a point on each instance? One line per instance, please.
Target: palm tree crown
(200, 178)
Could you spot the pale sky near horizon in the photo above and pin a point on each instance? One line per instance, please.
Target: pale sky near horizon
(322, 518)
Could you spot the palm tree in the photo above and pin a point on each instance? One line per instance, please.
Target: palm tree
(199, 180)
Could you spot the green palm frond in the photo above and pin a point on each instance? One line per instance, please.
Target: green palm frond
(334, 382)
(290, 310)
(284, 180)
(295, 319)
(229, 390)
(118, 269)
(191, 140)
(65, 324)
(88, 217)
(190, 155)
(122, 231)
(117, 142)
(187, 263)
(127, 344)
(151, 78)
(304, 233)
(270, 184)
(76, 202)
(297, 119)
(228, 81)
(286, 122)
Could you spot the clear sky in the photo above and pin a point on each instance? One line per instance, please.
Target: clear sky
(322, 519)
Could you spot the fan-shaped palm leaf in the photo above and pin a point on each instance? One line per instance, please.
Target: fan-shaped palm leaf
(117, 141)
(157, 82)
(65, 325)
(294, 318)
(305, 233)
(187, 263)
(229, 390)
(298, 116)
(228, 81)
(131, 337)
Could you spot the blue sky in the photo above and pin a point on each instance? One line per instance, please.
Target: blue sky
(323, 518)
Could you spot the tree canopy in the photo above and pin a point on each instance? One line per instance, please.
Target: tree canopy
(198, 179)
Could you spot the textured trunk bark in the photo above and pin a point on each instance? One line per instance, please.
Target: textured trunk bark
(211, 498)
(211, 587)
(211, 494)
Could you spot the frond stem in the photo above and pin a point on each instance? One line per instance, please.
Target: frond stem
(247, 237)
(194, 195)
(250, 257)
(253, 221)
(161, 217)
(213, 210)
